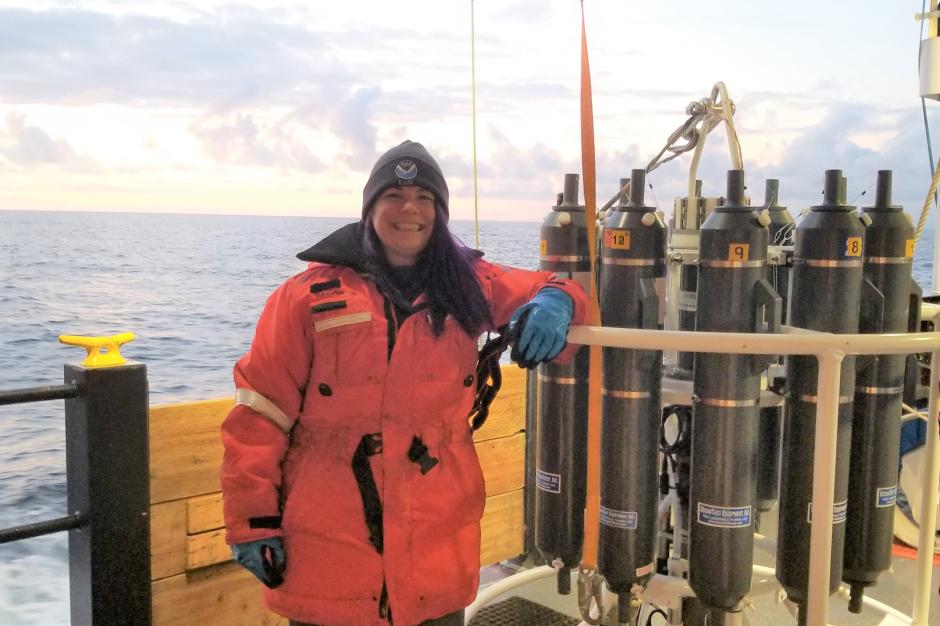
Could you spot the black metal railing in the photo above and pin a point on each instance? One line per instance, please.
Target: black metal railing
(107, 468)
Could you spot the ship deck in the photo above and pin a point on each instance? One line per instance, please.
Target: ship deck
(895, 588)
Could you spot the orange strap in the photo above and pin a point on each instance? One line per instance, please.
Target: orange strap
(592, 508)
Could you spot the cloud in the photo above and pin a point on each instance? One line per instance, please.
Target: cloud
(226, 56)
(29, 146)
(241, 137)
(524, 12)
(832, 144)
(221, 58)
(240, 140)
(352, 122)
(517, 171)
(800, 161)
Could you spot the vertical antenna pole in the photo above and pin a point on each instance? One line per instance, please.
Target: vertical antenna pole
(473, 74)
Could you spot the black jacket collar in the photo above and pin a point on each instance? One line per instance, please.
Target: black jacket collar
(341, 247)
(344, 247)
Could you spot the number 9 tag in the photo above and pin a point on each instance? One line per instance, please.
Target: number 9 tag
(738, 252)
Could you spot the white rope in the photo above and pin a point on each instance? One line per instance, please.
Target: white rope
(911, 411)
(925, 210)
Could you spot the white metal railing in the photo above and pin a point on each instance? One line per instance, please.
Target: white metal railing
(830, 350)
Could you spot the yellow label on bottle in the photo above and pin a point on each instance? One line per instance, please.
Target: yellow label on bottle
(543, 247)
(909, 248)
(739, 251)
(617, 238)
(853, 246)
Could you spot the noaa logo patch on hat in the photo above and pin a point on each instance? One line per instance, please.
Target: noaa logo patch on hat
(406, 170)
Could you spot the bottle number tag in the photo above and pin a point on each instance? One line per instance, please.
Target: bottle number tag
(909, 248)
(853, 246)
(543, 247)
(739, 251)
(616, 238)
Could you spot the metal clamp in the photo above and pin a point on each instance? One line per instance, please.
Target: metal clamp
(590, 588)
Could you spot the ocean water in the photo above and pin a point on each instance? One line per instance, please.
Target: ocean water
(191, 288)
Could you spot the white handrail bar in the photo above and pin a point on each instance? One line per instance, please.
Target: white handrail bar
(790, 341)
(930, 478)
(829, 349)
(824, 479)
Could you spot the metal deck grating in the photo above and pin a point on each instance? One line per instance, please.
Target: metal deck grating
(521, 612)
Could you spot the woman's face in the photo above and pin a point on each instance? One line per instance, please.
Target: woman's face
(403, 218)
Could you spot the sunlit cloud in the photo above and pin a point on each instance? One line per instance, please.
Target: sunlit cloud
(27, 146)
(241, 141)
(232, 56)
(280, 107)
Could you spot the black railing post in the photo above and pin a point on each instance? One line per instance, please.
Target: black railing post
(108, 461)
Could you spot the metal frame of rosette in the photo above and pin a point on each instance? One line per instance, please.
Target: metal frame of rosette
(829, 349)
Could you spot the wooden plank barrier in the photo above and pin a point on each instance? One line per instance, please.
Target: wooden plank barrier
(194, 579)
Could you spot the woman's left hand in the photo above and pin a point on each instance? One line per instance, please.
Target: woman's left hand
(539, 327)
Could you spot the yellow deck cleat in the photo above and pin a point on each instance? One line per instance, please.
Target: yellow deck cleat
(102, 351)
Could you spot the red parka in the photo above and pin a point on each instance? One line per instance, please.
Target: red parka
(346, 390)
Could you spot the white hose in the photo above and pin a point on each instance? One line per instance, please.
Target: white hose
(710, 120)
(727, 113)
(707, 126)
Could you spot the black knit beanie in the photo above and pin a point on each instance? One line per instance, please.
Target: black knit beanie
(408, 163)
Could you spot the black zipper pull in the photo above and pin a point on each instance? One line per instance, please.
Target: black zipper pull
(383, 602)
(392, 324)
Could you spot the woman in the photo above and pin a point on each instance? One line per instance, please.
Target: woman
(351, 485)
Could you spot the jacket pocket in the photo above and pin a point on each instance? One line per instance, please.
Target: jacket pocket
(451, 494)
(344, 328)
(445, 533)
(338, 311)
(323, 525)
(320, 492)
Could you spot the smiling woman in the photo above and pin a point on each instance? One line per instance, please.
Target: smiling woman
(404, 191)
(349, 448)
(403, 218)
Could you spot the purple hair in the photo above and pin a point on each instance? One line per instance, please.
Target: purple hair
(445, 271)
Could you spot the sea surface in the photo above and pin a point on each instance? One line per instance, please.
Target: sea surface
(191, 288)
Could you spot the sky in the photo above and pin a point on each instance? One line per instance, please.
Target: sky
(280, 108)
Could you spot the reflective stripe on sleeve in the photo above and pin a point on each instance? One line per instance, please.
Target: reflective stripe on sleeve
(260, 404)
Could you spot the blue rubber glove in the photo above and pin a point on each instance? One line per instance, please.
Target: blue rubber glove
(264, 558)
(539, 327)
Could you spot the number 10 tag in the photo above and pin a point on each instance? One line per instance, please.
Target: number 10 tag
(617, 239)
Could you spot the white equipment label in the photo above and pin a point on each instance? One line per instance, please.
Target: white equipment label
(618, 519)
(887, 496)
(839, 512)
(548, 482)
(724, 516)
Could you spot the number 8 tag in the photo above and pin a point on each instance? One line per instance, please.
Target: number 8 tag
(853, 246)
